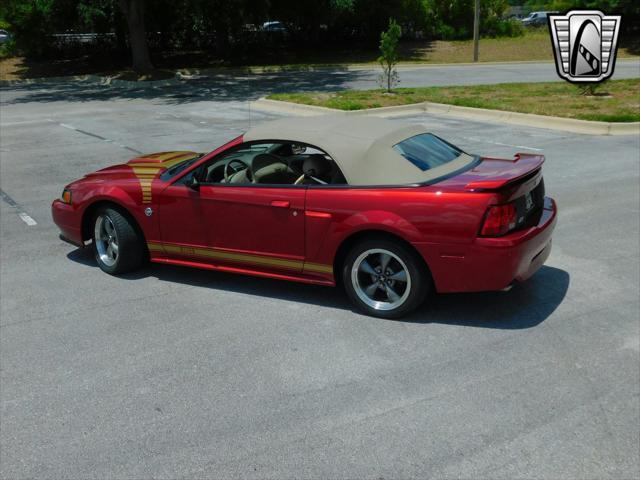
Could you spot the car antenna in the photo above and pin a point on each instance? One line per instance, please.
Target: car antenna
(249, 96)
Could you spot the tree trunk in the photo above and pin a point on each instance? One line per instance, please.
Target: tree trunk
(134, 12)
(388, 78)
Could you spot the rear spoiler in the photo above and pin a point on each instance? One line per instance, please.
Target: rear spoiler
(522, 165)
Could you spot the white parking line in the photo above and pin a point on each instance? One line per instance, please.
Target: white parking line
(94, 135)
(27, 219)
(482, 140)
(25, 122)
(22, 214)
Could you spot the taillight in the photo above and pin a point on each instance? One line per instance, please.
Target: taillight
(500, 219)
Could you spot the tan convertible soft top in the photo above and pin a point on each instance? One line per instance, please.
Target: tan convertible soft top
(361, 146)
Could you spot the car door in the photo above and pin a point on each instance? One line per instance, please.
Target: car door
(180, 217)
(245, 226)
(255, 227)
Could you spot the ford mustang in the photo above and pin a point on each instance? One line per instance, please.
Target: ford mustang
(389, 211)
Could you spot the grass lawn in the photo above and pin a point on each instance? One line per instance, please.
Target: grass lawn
(535, 44)
(615, 100)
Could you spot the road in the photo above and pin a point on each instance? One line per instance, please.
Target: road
(480, 74)
(239, 86)
(170, 372)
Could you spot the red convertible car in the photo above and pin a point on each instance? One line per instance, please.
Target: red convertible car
(391, 212)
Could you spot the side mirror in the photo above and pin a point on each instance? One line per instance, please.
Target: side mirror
(193, 183)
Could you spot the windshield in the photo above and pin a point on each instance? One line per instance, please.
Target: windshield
(178, 167)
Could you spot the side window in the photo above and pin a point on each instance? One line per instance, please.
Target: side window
(234, 166)
(273, 163)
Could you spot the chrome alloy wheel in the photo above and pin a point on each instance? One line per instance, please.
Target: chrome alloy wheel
(381, 279)
(106, 240)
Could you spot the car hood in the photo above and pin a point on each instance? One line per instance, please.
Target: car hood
(150, 166)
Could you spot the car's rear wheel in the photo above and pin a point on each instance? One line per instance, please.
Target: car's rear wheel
(385, 278)
(117, 245)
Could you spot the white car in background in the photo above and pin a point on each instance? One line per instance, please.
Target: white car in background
(4, 36)
(274, 26)
(536, 19)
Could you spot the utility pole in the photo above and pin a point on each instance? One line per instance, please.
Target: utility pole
(476, 31)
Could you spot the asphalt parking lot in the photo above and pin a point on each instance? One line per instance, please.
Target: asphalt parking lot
(172, 372)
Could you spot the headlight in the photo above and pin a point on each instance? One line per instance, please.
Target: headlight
(66, 196)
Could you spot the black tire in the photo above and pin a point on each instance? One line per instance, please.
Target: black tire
(131, 248)
(418, 287)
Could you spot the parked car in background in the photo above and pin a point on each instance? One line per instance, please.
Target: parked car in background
(536, 19)
(274, 27)
(4, 36)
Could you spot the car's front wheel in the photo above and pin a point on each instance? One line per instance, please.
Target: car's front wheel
(117, 246)
(385, 278)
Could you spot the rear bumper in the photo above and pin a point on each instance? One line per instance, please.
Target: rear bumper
(492, 263)
(67, 218)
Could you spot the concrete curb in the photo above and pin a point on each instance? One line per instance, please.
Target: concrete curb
(482, 114)
(200, 72)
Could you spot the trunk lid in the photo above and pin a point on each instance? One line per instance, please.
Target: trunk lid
(493, 174)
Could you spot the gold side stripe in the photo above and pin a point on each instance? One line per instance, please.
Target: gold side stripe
(146, 177)
(235, 257)
(318, 267)
(239, 257)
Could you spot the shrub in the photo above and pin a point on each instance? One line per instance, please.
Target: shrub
(389, 55)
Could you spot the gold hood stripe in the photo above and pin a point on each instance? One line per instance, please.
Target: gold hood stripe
(147, 170)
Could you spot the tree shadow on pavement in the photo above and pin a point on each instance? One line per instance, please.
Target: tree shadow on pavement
(525, 306)
(226, 87)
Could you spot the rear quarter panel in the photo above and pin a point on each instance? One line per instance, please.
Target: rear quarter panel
(419, 215)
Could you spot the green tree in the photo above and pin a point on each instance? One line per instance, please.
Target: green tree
(31, 22)
(389, 55)
(454, 19)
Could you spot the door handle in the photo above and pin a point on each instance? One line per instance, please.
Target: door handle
(280, 203)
